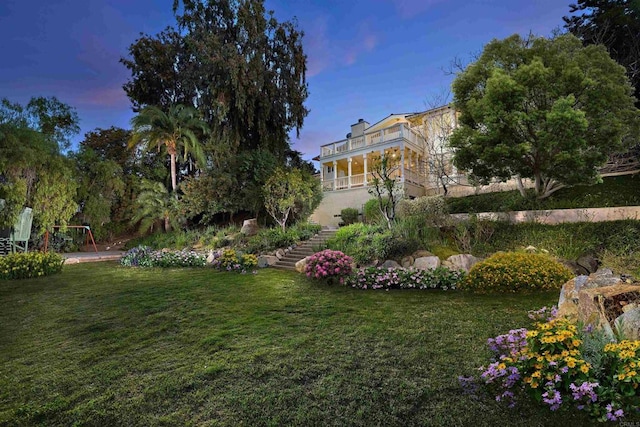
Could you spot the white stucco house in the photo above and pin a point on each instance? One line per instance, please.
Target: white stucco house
(415, 139)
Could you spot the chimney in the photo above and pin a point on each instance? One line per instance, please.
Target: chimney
(359, 128)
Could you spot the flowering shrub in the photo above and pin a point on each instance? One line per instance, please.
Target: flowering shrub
(328, 265)
(550, 364)
(31, 264)
(406, 278)
(230, 260)
(516, 271)
(144, 256)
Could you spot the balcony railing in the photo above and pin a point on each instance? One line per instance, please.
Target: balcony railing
(380, 136)
(358, 181)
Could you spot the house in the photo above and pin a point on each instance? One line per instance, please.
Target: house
(416, 140)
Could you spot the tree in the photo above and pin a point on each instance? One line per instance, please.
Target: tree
(155, 203)
(384, 186)
(614, 24)
(546, 109)
(284, 193)
(174, 130)
(233, 61)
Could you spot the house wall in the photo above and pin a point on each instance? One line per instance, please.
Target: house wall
(334, 201)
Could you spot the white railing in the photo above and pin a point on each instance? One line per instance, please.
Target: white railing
(357, 180)
(342, 183)
(391, 133)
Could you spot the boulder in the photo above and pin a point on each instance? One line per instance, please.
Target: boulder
(628, 323)
(250, 227)
(390, 264)
(421, 253)
(575, 268)
(267, 261)
(603, 305)
(302, 264)
(530, 249)
(589, 263)
(210, 257)
(280, 253)
(407, 261)
(427, 263)
(461, 262)
(69, 261)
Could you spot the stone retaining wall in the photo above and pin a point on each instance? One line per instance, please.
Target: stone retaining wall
(559, 216)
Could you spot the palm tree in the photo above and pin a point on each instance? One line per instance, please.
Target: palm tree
(155, 203)
(175, 130)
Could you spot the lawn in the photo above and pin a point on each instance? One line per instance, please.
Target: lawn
(103, 345)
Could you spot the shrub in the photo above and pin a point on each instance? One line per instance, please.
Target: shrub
(144, 256)
(431, 210)
(305, 230)
(371, 212)
(329, 266)
(31, 264)
(516, 271)
(349, 215)
(232, 260)
(403, 278)
(364, 242)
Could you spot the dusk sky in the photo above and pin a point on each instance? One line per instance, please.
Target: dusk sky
(366, 59)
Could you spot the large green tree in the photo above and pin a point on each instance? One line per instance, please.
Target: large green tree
(547, 109)
(286, 193)
(232, 60)
(614, 24)
(177, 131)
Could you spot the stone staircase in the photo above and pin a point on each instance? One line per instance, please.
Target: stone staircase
(288, 262)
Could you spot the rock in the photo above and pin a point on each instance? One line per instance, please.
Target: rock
(461, 262)
(575, 268)
(601, 305)
(301, 265)
(280, 253)
(530, 249)
(390, 264)
(570, 290)
(407, 261)
(287, 250)
(71, 261)
(589, 263)
(250, 227)
(420, 254)
(628, 324)
(604, 277)
(267, 261)
(427, 263)
(210, 257)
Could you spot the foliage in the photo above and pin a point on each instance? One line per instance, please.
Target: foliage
(384, 187)
(516, 272)
(612, 191)
(286, 193)
(14, 196)
(144, 256)
(546, 109)
(365, 243)
(349, 215)
(244, 71)
(614, 24)
(176, 130)
(329, 266)
(53, 199)
(432, 210)
(406, 278)
(31, 264)
(155, 203)
(472, 234)
(231, 260)
(371, 211)
(269, 239)
(549, 363)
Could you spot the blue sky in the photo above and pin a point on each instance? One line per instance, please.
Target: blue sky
(366, 59)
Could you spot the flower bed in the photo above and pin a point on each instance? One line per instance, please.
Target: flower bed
(329, 266)
(406, 278)
(231, 260)
(31, 264)
(559, 364)
(144, 256)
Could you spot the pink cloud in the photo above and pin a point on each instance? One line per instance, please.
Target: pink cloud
(365, 42)
(317, 46)
(103, 97)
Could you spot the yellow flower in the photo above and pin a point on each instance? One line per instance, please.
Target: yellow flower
(584, 368)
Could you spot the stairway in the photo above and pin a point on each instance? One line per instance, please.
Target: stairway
(305, 249)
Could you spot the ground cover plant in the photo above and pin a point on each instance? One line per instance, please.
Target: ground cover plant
(144, 256)
(31, 264)
(101, 345)
(613, 191)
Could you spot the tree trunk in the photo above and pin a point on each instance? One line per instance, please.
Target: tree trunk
(174, 183)
(167, 224)
(520, 185)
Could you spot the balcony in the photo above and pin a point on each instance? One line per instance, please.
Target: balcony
(392, 133)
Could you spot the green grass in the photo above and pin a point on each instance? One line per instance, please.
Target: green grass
(613, 191)
(102, 345)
